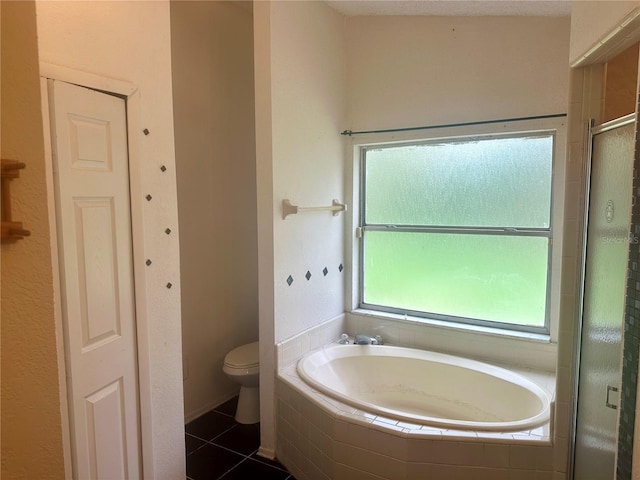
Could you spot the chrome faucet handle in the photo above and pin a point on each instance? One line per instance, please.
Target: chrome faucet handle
(378, 340)
(344, 339)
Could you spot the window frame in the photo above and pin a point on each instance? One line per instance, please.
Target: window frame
(522, 128)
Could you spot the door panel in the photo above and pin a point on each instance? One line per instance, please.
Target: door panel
(105, 422)
(91, 179)
(100, 317)
(603, 304)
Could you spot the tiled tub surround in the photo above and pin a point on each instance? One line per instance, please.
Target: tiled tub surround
(322, 438)
(292, 349)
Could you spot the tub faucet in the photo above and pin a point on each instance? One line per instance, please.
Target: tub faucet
(361, 339)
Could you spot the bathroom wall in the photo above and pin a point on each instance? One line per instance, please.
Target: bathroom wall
(308, 71)
(213, 101)
(130, 41)
(620, 84)
(31, 413)
(300, 62)
(416, 71)
(592, 21)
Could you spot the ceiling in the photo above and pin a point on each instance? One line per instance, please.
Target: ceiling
(453, 7)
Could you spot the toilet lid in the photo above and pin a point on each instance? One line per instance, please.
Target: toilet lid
(244, 356)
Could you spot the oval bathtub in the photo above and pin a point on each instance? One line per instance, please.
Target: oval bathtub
(427, 388)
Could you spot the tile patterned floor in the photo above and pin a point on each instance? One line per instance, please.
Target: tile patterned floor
(218, 447)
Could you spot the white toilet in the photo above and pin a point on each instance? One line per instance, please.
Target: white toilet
(242, 365)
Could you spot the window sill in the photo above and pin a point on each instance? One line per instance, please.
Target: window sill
(478, 329)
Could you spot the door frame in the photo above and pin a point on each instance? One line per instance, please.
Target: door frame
(131, 95)
(589, 98)
(593, 130)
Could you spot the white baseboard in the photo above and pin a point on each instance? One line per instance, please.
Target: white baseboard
(269, 453)
(190, 416)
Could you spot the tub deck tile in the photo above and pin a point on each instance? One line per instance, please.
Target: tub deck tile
(426, 430)
(540, 431)
(339, 406)
(531, 440)
(356, 419)
(389, 421)
(460, 434)
(366, 416)
(409, 426)
(383, 424)
(496, 437)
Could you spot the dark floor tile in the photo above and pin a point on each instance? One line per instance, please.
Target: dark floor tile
(244, 439)
(250, 469)
(210, 462)
(209, 425)
(273, 463)
(230, 445)
(192, 443)
(228, 407)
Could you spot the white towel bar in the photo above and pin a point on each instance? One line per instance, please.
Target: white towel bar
(287, 209)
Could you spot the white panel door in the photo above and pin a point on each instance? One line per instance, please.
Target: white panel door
(91, 173)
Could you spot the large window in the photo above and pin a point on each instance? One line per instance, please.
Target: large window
(459, 229)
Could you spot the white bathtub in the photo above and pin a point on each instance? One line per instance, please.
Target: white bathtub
(427, 388)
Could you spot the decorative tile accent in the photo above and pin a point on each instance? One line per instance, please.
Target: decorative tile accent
(148, 262)
(163, 168)
(167, 231)
(289, 280)
(325, 270)
(340, 268)
(308, 275)
(148, 197)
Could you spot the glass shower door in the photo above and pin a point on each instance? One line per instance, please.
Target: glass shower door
(607, 246)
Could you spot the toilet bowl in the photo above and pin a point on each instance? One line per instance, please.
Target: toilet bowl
(242, 365)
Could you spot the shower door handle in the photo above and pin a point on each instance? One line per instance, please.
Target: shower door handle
(608, 403)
